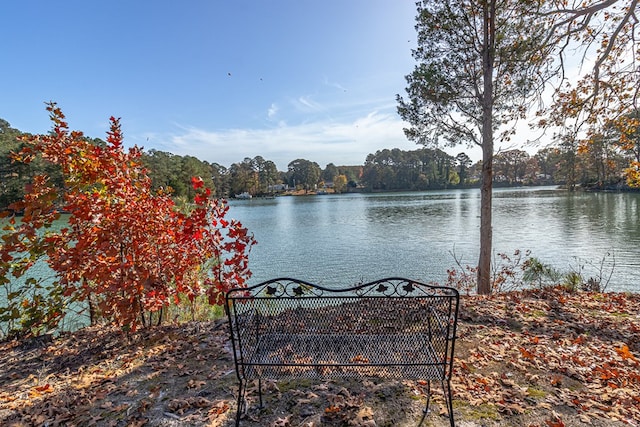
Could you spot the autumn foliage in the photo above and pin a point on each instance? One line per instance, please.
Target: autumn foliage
(126, 250)
(599, 110)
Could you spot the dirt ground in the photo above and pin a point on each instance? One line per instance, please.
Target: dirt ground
(543, 358)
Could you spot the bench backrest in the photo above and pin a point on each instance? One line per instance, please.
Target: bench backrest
(393, 310)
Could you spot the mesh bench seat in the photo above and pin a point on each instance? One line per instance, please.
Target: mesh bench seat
(341, 356)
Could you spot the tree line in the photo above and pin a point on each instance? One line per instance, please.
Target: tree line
(598, 165)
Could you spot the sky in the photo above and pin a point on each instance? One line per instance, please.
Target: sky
(220, 80)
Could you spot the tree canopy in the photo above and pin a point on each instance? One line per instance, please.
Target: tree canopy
(479, 63)
(602, 38)
(304, 173)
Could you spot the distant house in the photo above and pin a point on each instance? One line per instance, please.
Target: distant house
(277, 188)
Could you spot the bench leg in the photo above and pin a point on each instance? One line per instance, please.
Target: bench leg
(241, 402)
(446, 388)
(426, 408)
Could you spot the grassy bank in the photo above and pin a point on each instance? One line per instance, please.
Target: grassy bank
(530, 358)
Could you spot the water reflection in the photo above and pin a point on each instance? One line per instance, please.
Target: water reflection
(342, 239)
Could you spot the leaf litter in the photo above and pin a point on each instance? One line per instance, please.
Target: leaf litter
(535, 358)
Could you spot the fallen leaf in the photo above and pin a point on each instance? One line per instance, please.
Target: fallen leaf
(195, 384)
(44, 388)
(625, 353)
(281, 422)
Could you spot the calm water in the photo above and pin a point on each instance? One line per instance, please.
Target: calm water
(342, 239)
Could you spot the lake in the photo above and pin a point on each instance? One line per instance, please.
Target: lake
(338, 240)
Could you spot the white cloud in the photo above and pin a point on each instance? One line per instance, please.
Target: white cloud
(341, 143)
(273, 110)
(306, 103)
(335, 85)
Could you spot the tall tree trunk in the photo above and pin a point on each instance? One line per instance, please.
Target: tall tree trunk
(486, 232)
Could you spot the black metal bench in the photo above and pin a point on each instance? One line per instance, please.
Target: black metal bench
(391, 328)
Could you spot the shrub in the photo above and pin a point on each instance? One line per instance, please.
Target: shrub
(127, 252)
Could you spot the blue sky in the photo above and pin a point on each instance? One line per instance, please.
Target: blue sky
(217, 79)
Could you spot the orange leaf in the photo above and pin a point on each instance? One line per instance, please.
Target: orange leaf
(44, 388)
(332, 409)
(579, 340)
(219, 409)
(625, 353)
(527, 354)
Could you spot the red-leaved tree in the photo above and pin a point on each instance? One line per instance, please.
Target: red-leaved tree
(126, 251)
